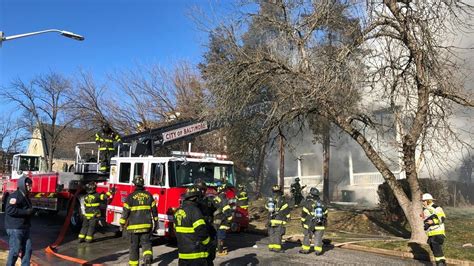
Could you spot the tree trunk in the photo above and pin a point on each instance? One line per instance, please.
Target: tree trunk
(414, 207)
(259, 172)
(326, 154)
(281, 177)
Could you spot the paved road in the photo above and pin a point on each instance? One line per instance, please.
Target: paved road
(244, 249)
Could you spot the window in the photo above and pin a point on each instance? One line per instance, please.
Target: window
(157, 177)
(29, 163)
(184, 173)
(138, 170)
(124, 175)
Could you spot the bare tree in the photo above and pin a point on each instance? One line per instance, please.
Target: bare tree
(11, 134)
(45, 105)
(90, 101)
(152, 95)
(413, 77)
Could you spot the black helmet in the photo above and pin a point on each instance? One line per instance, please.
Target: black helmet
(192, 191)
(314, 192)
(297, 179)
(199, 183)
(276, 188)
(138, 181)
(90, 187)
(106, 127)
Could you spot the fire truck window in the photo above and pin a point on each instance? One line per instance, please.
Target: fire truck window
(29, 163)
(172, 174)
(157, 177)
(24, 165)
(138, 169)
(124, 176)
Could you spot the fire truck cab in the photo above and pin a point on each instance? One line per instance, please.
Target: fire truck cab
(26, 164)
(167, 178)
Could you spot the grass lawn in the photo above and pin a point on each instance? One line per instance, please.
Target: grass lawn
(459, 231)
(351, 225)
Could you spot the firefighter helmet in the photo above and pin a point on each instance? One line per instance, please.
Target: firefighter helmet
(192, 191)
(90, 187)
(427, 196)
(314, 192)
(199, 183)
(138, 181)
(276, 188)
(297, 179)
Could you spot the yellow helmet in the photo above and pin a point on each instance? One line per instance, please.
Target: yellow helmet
(276, 188)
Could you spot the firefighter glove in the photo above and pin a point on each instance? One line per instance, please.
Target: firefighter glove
(155, 226)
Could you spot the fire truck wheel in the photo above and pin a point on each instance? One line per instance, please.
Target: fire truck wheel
(76, 218)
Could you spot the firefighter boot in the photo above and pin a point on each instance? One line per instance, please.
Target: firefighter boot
(148, 260)
(220, 248)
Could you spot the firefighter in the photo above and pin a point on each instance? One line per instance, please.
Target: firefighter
(92, 212)
(279, 213)
(222, 218)
(433, 220)
(191, 231)
(242, 197)
(314, 219)
(295, 190)
(207, 209)
(140, 218)
(107, 140)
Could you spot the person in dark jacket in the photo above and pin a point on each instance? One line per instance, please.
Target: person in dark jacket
(242, 197)
(18, 212)
(222, 218)
(140, 217)
(313, 219)
(296, 190)
(207, 209)
(191, 231)
(107, 140)
(278, 214)
(91, 211)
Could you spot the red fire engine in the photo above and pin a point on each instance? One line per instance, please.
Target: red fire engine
(166, 178)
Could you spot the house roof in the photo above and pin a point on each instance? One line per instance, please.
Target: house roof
(68, 139)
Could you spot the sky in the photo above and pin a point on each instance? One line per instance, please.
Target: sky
(119, 34)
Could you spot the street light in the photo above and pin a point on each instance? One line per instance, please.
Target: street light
(64, 33)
